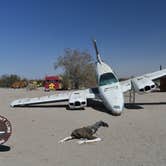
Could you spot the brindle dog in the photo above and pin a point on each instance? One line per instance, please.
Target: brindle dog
(86, 134)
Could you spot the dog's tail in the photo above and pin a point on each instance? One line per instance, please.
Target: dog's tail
(65, 139)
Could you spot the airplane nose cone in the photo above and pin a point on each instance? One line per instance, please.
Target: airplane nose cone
(117, 110)
(114, 101)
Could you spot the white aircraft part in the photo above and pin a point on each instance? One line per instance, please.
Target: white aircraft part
(156, 75)
(89, 93)
(109, 88)
(143, 85)
(77, 99)
(98, 57)
(112, 97)
(102, 68)
(125, 85)
(40, 100)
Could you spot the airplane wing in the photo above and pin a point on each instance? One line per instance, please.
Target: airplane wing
(71, 96)
(142, 81)
(156, 75)
(39, 100)
(126, 85)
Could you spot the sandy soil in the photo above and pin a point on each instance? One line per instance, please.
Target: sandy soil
(136, 138)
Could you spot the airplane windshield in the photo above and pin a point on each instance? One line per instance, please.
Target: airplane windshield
(107, 78)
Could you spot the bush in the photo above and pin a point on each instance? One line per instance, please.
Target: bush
(8, 80)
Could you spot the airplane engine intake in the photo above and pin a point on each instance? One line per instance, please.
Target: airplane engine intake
(143, 85)
(77, 100)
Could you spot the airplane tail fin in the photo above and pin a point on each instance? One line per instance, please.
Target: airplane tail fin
(97, 52)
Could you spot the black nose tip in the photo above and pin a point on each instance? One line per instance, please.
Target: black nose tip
(105, 124)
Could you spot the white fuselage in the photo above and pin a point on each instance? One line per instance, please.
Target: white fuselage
(109, 88)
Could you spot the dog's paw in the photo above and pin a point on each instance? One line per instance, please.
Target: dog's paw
(61, 142)
(82, 141)
(98, 139)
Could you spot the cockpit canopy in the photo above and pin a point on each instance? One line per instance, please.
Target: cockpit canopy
(107, 78)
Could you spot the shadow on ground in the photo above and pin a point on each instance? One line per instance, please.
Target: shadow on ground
(50, 106)
(132, 106)
(139, 105)
(96, 105)
(153, 103)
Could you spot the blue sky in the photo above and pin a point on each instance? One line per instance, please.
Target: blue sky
(131, 34)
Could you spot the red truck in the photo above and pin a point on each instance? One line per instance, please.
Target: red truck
(52, 83)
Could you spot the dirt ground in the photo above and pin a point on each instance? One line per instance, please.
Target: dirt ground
(136, 138)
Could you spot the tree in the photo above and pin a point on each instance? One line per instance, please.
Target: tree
(8, 80)
(79, 70)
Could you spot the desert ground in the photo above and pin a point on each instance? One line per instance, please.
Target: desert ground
(136, 138)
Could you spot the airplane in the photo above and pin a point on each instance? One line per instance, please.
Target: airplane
(109, 89)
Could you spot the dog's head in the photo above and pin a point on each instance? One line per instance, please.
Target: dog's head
(103, 124)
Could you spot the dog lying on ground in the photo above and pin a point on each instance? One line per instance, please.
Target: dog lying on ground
(86, 134)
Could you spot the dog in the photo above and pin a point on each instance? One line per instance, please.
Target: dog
(86, 134)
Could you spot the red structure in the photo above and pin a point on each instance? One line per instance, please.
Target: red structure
(52, 83)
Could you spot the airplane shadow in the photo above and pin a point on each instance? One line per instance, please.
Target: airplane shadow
(154, 103)
(50, 106)
(46, 106)
(4, 148)
(139, 105)
(132, 106)
(98, 106)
